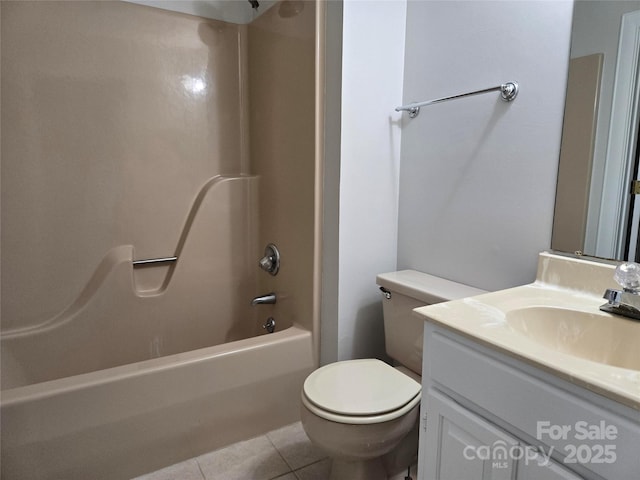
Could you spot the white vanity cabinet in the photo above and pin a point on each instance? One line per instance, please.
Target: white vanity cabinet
(457, 448)
(487, 415)
(539, 468)
(456, 438)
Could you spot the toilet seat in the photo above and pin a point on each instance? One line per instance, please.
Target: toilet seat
(360, 392)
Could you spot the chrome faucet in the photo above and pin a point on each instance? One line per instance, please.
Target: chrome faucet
(625, 302)
(269, 298)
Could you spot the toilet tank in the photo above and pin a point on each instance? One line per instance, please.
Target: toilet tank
(403, 330)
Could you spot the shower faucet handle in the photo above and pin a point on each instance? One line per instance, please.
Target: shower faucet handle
(267, 262)
(271, 261)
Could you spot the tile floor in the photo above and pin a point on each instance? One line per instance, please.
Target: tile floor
(283, 454)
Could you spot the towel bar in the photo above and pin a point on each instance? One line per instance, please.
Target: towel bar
(508, 91)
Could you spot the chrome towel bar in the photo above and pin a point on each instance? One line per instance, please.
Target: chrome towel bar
(508, 91)
(149, 261)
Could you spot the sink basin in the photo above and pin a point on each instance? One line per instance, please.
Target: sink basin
(597, 337)
(554, 324)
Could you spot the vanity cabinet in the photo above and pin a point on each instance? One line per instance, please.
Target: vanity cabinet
(487, 415)
(456, 438)
(539, 468)
(458, 433)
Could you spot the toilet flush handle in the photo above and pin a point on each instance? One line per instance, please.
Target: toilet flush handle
(386, 293)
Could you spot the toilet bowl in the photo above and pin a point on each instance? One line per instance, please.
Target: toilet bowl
(361, 411)
(357, 411)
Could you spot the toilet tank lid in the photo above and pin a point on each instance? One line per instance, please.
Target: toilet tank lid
(424, 287)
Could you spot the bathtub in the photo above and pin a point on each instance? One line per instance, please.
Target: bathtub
(120, 422)
(147, 367)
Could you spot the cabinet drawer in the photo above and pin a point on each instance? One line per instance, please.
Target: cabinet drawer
(554, 417)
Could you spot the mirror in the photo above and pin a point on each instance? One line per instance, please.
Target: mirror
(594, 211)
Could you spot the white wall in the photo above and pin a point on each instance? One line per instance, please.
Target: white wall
(478, 174)
(372, 71)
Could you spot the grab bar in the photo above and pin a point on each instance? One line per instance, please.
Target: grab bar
(508, 91)
(149, 261)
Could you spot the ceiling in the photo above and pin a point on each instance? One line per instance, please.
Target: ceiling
(233, 11)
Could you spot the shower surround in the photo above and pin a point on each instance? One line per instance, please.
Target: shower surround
(132, 133)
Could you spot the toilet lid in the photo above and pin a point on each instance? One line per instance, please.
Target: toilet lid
(360, 387)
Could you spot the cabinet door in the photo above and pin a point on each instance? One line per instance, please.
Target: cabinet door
(539, 468)
(463, 446)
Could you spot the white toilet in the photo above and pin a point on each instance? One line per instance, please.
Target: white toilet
(359, 411)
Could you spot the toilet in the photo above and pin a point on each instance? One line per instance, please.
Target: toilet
(364, 413)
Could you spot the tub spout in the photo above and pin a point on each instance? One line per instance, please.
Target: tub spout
(269, 298)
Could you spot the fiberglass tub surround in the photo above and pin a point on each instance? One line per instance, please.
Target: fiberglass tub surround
(128, 138)
(114, 321)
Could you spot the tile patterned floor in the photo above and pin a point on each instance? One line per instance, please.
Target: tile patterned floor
(283, 454)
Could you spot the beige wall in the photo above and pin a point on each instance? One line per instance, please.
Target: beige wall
(281, 93)
(114, 117)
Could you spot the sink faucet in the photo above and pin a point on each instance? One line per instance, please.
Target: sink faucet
(269, 298)
(625, 302)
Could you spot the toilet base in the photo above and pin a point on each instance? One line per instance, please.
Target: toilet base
(361, 470)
